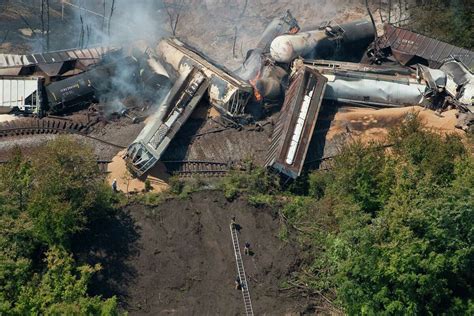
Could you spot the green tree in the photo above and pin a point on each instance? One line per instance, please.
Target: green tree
(44, 201)
(62, 290)
(446, 20)
(16, 239)
(416, 257)
(66, 192)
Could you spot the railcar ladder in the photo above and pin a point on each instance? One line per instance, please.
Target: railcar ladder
(241, 271)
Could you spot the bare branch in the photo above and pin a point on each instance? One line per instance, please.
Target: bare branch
(47, 26)
(244, 9)
(112, 8)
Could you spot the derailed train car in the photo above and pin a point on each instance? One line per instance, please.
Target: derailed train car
(78, 90)
(345, 42)
(21, 95)
(163, 126)
(382, 86)
(296, 123)
(227, 93)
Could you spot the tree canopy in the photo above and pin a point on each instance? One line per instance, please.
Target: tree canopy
(446, 20)
(44, 201)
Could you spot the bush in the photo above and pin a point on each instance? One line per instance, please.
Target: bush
(446, 20)
(259, 200)
(148, 186)
(253, 181)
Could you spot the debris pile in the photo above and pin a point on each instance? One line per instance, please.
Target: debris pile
(291, 71)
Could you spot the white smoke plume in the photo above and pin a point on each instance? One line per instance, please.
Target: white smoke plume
(109, 22)
(132, 25)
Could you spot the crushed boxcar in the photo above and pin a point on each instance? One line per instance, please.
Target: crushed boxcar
(410, 48)
(174, 111)
(295, 126)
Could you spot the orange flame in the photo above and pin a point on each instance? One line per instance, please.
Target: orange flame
(294, 30)
(253, 83)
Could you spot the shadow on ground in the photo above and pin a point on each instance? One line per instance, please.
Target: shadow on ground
(110, 241)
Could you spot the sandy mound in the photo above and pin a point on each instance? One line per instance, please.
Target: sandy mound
(127, 183)
(371, 124)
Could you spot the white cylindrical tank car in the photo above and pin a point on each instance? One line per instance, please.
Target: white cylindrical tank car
(341, 42)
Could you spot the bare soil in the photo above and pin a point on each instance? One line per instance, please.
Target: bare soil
(178, 258)
(127, 183)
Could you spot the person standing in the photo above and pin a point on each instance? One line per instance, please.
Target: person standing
(247, 248)
(237, 283)
(114, 185)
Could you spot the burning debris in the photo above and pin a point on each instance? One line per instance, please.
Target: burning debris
(70, 83)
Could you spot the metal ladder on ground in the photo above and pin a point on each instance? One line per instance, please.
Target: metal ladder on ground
(241, 271)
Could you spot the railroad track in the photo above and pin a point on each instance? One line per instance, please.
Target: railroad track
(33, 126)
(189, 168)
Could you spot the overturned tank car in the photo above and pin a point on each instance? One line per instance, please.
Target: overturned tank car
(382, 86)
(345, 42)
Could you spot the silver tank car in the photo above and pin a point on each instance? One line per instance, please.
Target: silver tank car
(286, 24)
(338, 42)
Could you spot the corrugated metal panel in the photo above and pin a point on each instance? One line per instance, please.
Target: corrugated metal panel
(406, 45)
(9, 60)
(295, 126)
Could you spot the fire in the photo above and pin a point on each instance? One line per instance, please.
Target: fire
(253, 83)
(294, 30)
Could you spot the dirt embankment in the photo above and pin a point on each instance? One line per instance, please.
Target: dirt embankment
(185, 265)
